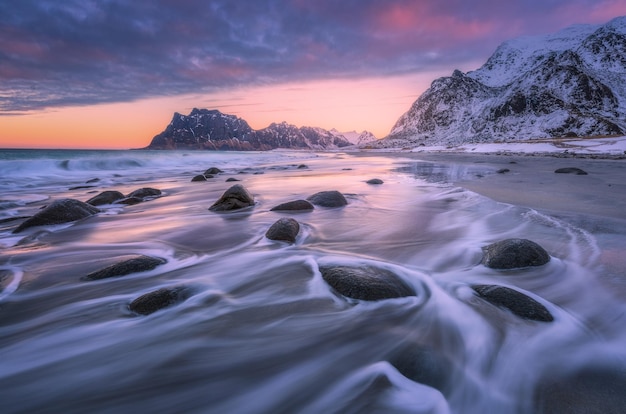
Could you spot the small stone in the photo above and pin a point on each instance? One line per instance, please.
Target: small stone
(61, 211)
(518, 303)
(570, 170)
(236, 197)
(145, 192)
(375, 181)
(105, 197)
(158, 299)
(503, 171)
(199, 177)
(302, 166)
(136, 264)
(231, 179)
(328, 199)
(285, 229)
(130, 201)
(213, 171)
(296, 205)
(514, 253)
(365, 283)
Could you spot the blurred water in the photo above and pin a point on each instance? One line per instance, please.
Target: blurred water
(262, 332)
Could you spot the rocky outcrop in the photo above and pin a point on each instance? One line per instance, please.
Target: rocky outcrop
(285, 229)
(365, 283)
(518, 303)
(206, 129)
(58, 212)
(235, 198)
(136, 264)
(566, 84)
(514, 253)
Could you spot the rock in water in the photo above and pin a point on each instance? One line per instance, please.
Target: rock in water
(514, 253)
(236, 197)
(136, 264)
(518, 303)
(105, 197)
(571, 170)
(58, 212)
(198, 178)
(213, 171)
(365, 283)
(375, 181)
(296, 205)
(145, 192)
(159, 299)
(285, 229)
(328, 199)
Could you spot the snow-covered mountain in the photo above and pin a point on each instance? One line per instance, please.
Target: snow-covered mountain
(356, 138)
(572, 83)
(205, 129)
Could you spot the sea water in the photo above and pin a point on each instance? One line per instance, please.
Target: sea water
(262, 331)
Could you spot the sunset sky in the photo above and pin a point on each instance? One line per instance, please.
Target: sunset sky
(110, 73)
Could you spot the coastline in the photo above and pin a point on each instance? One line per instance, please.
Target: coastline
(531, 180)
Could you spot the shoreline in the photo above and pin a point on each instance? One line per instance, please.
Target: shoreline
(531, 180)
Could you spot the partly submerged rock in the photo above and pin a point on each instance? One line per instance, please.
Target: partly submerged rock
(231, 179)
(236, 197)
(518, 303)
(136, 264)
(296, 205)
(328, 199)
(571, 170)
(285, 229)
(159, 299)
(198, 178)
(145, 192)
(365, 283)
(514, 253)
(213, 171)
(375, 181)
(105, 197)
(58, 212)
(130, 201)
(425, 366)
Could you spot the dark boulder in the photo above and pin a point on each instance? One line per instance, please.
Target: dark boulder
(159, 299)
(375, 181)
(105, 197)
(231, 179)
(592, 389)
(285, 229)
(213, 171)
(365, 283)
(296, 205)
(426, 366)
(514, 253)
(302, 166)
(518, 303)
(503, 171)
(60, 211)
(198, 178)
(328, 199)
(145, 192)
(236, 197)
(571, 170)
(134, 265)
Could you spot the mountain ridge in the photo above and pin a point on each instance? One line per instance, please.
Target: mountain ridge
(205, 129)
(569, 83)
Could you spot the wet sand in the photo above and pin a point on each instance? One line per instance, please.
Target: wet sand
(531, 182)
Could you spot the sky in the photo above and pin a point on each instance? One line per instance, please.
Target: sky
(111, 73)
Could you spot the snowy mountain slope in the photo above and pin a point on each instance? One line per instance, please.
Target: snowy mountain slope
(212, 130)
(356, 138)
(571, 83)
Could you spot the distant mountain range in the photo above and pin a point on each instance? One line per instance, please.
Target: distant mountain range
(572, 83)
(205, 129)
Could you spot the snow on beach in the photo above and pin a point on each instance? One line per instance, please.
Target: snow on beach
(609, 146)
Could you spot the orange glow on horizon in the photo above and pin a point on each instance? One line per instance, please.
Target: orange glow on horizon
(372, 104)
